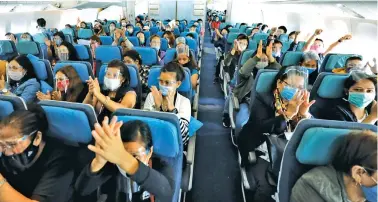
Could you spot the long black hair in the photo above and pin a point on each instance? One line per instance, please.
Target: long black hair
(25, 63)
(137, 131)
(72, 55)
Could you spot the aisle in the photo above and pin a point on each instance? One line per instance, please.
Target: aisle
(216, 172)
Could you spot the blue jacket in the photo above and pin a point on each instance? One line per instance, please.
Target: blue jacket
(27, 90)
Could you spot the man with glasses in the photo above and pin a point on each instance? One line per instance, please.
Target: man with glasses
(165, 97)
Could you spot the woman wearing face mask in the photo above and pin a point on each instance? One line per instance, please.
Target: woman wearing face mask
(141, 38)
(26, 37)
(122, 162)
(351, 176)
(66, 51)
(262, 59)
(165, 97)
(129, 30)
(317, 45)
(119, 38)
(170, 38)
(186, 59)
(116, 92)
(98, 30)
(31, 161)
(140, 25)
(276, 112)
(58, 39)
(112, 28)
(359, 103)
(69, 87)
(22, 80)
(156, 43)
(11, 36)
(123, 23)
(310, 61)
(231, 59)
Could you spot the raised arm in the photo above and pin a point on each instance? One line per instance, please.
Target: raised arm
(333, 45)
(311, 40)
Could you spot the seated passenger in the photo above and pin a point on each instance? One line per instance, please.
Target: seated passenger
(310, 61)
(167, 99)
(156, 44)
(69, 87)
(262, 59)
(98, 30)
(352, 175)
(170, 38)
(66, 51)
(216, 23)
(254, 31)
(264, 28)
(116, 92)
(119, 37)
(11, 36)
(26, 37)
(130, 29)
(317, 45)
(141, 38)
(140, 25)
(277, 50)
(185, 57)
(193, 28)
(33, 166)
(133, 57)
(112, 28)
(276, 112)
(82, 25)
(293, 39)
(52, 46)
(280, 30)
(231, 59)
(22, 80)
(353, 63)
(128, 164)
(359, 103)
(220, 39)
(123, 23)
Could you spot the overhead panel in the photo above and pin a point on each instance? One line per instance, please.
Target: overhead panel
(153, 8)
(199, 8)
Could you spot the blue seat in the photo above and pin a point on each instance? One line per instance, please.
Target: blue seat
(83, 69)
(327, 90)
(69, 38)
(166, 137)
(248, 32)
(134, 40)
(106, 40)
(230, 40)
(8, 104)
(84, 53)
(192, 45)
(136, 30)
(195, 34)
(43, 71)
(160, 33)
(176, 31)
(29, 47)
(170, 55)
(283, 38)
(154, 30)
(8, 50)
(252, 45)
(149, 55)
(291, 58)
(243, 29)
(300, 45)
(85, 34)
(105, 54)
(72, 123)
(68, 31)
(313, 143)
(260, 36)
(89, 25)
(135, 82)
(335, 60)
(163, 44)
(285, 46)
(185, 89)
(147, 34)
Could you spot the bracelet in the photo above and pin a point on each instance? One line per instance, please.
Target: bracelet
(2, 182)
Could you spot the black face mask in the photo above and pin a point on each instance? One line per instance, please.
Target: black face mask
(18, 163)
(96, 30)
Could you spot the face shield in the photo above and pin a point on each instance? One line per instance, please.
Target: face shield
(112, 79)
(293, 81)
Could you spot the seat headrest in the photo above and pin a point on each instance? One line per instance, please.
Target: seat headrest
(291, 58)
(70, 122)
(39, 67)
(264, 80)
(234, 30)
(80, 68)
(170, 55)
(232, 36)
(149, 55)
(82, 52)
(106, 54)
(191, 43)
(332, 86)
(155, 74)
(163, 44)
(6, 47)
(283, 37)
(164, 135)
(68, 31)
(6, 108)
(245, 56)
(318, 145)
(252, 45)
(85, 33)
(106, 40)
(132, 71)
(39, 37)
(134, 40)
(27, 47)
(337, 61)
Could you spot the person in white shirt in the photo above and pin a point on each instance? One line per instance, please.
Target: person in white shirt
(165, 97)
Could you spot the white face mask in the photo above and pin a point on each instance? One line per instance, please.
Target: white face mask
(124, 24)
(243, 47)
(112, 84)
(261, 65)
(16, 76)
(112, 28)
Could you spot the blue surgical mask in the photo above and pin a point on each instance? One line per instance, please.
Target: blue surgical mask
(309, 70)
(370, 193)
(360, 100)
(157, 48)
(291, 40)
(58, 42)
(165, 89)
(288, 93)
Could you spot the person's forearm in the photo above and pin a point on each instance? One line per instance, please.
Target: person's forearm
(309, 42)
(370, 120)
(107, 102)
(88, 99)
(331, 47)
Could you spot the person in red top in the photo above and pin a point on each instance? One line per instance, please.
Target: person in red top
(215, 24)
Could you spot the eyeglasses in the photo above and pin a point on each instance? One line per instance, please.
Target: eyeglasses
(293, 86)
(11, 67)
(166, 82)
(113, 75)
(5, 145)
(371, 169)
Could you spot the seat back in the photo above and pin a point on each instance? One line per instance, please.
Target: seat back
(170, 55)
(29, 47)
(242, 28)
(234, 30)
(147, 34)
(176, 31)
(85, 33)
(163, 44)
(314, 143)
(160, 33)
(166, 138)
(230, 40)
(248, 31)
(300, 45)
(105, 54)
(83, 69)
(285, 46)
(335, 60)
(83, 53)
(260, 36)
(283, 38)
(69, 122)
(252, 45)
(43, 71)
(192, 45)
(134, 40)
(149, 55)
(7, 50)
(327, 90)
(40, 37)
(154, 30)
(69, 38)
(195, 34)
(8, 104)
(186, 86)
(106, 40)
(68, 31)
(291, 58)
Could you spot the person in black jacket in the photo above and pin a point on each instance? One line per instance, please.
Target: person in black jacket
(123, 169)
(276, 112)
(359, 103)
(231, 59)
